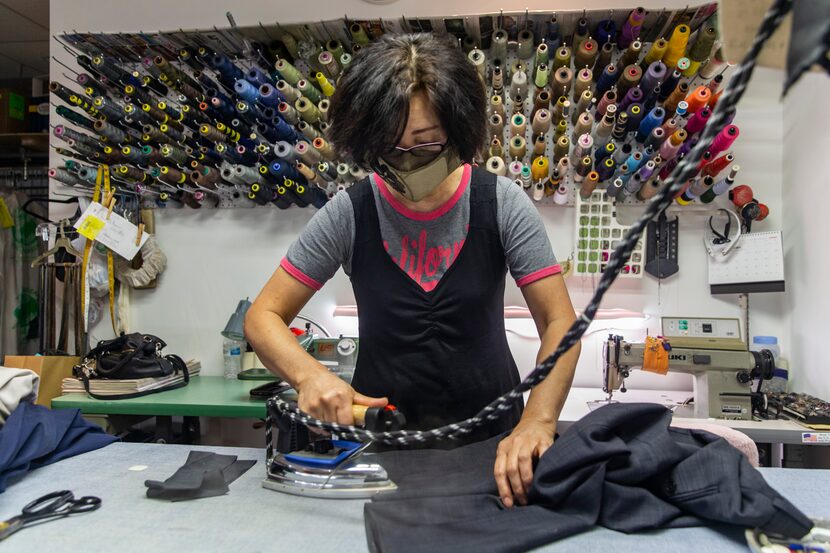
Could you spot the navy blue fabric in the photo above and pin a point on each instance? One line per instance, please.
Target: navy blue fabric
(622, 467)
(35, 436)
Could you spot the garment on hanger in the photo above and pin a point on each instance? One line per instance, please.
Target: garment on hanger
(18, 280)
(622, 467)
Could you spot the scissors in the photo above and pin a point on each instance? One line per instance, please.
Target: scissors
(50, 506)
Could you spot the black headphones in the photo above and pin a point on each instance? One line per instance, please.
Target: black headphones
(719, 238)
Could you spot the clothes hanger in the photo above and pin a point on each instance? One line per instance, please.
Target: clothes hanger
(61, 242)
(25, 207)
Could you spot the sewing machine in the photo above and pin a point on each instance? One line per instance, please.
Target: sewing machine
(709, 349)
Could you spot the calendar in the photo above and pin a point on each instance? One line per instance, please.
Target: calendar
(755, 264)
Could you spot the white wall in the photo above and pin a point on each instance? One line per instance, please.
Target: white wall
(806, 228)
(217, 257)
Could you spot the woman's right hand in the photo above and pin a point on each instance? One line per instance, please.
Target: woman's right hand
(327, 397)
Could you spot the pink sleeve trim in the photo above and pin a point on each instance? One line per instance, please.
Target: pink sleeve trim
(299, 275)
(424, 215)
(540, 274)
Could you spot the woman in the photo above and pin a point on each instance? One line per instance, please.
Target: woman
(427, 241)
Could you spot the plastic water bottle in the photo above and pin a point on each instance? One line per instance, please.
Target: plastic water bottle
(232, 353)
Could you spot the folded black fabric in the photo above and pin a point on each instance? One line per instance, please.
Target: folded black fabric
(204, 474)
(621, 467)
(35, 436)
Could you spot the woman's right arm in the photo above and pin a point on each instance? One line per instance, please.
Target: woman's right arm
(321, 393)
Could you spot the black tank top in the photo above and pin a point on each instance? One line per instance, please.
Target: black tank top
(439, 356)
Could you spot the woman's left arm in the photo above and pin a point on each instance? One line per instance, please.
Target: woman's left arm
(553, 313)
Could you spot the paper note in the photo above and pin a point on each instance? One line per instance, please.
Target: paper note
(115, 232)
(91, 227)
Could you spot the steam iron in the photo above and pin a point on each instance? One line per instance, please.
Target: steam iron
(301, 462)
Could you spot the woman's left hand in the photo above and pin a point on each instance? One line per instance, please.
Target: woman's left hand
(515, 457)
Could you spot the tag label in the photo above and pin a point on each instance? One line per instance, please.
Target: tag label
(115, 232)
(815, 437)
(6, 219)
(91, 227)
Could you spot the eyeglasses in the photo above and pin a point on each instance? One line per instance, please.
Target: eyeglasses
(427, 149)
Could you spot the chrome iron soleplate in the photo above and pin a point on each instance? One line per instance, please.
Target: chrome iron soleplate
(296, 488)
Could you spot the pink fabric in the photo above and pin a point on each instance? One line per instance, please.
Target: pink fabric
(424, 215)
(299, 275)
(738, 440)
(540, 274)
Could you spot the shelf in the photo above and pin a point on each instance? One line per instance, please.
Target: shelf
(31, 141)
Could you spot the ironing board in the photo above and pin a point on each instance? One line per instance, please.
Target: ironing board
(251, 518)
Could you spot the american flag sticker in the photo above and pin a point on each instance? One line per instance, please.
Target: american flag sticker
(815, 437)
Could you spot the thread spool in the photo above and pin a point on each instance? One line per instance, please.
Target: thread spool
(323, 108)
(325, 85)
(683, 65)
(496, 105)
(650, 189)
(622, 153)
(514, 169)
(713, 168)
(588, 185)
(584, 102)
(527, 181)
(670, 126)
(586, 53)
(324, 148)
(307, 111)
(496, 148)
(358, 34)
(608, 99)
(700, 50)
(496, 166)
(562, 80)
(698, 99)
(656, 73)
(326, 171)
(309, 91)
(345, 60)
(620, 130)
(631, 28)
(518, 125)
(724, 139)
(584, 124)
(656, 52)
(329, 64)
(607, 79)
(561, 129)
(538, 191)
(308, 132)
(633, 96)
(518, 83)
(308, 154)
(631, 54)
(677, 45)
(541, 122)
(562, 58)
(606, 169)
(542, 54)
(604, 152)
(584, 81)
(560, 197)
(478, 59)
(614, 189)
(540, 168)
(712, 67)
(670, 147)
(496, 125)
(676, 96)
(606, 52)
(497, 80)
(561, 147)
(630, 76)
(583, 168)
(542, 75)
(498, 46)
(653, 119)
(634, 161)
(517, 147)
(525, 46)
(288, 72)
(697, 121)
(539, 145)
(584, 145)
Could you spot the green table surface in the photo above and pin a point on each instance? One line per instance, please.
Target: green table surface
(205, 396)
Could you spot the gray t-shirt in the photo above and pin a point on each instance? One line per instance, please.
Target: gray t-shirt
(423, 244)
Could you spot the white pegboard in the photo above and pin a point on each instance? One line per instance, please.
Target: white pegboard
(597, 234)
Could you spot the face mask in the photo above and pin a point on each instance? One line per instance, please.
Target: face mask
(417, 182)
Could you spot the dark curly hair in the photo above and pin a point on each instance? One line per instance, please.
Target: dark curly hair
(370, 107)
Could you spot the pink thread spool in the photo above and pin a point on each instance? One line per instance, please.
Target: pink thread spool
(724, 139)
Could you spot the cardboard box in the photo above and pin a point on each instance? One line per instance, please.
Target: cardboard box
(52, 369)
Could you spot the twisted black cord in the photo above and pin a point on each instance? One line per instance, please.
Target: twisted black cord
(686, 169)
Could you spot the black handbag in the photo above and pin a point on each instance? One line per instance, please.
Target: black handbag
(130, 356)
